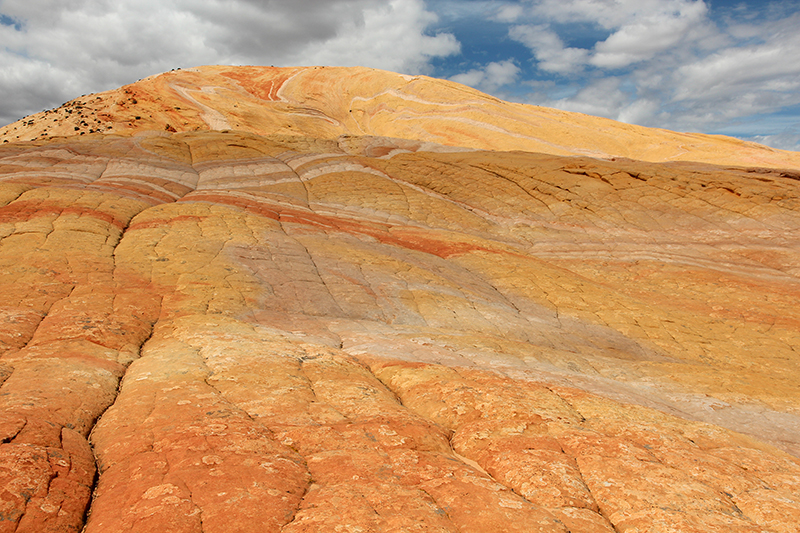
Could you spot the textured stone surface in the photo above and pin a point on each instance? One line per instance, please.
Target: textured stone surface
(255, 331)
(330, 102)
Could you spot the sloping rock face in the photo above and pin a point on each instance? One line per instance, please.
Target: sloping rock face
(231, 331)
(326, 103)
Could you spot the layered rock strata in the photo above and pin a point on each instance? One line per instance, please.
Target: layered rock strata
(210, 331)
(328, 102)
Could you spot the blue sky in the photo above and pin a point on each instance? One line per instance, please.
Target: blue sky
(715, 66)
(727, 67)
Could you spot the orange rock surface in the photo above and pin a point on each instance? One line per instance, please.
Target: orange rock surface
(353, 313)
(330, 102)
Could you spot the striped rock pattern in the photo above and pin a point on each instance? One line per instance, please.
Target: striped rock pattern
(328, 103)
(229, 331)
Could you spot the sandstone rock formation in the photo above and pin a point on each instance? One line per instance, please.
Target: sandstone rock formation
(327, 103)
(371, 322)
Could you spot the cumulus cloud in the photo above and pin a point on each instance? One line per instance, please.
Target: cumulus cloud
(491, 77)
(509, 13)
(596, 98)
(389, 36)
(665, 63)
(639, 30)
(611, 14)
(549, 49)
(643, 36)
(773, 67)
(54, 50)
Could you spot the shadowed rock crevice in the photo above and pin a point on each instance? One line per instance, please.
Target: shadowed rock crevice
(66, 363)
(294, 514)
(210, 470)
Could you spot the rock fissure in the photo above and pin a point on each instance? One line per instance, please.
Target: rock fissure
(440, 508)
(394, 394)
(95, 458)
(517, 185)
(9, 436)
(294, 516)
(598, 509)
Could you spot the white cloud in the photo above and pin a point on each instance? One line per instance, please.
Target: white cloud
(643, 36)
(665, 63)
(65, 48)
(389, 37)
(491, 77)
(639, 111)
(774, 67)
(738, 81)
(509, 13)
(549, 49)
(602, 97)
(609, 14)
(640, 29)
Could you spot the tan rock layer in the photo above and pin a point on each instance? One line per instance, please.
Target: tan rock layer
(313, 339)
(327, 103)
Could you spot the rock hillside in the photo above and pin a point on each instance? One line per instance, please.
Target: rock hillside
(328, 102)
(320, 300)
